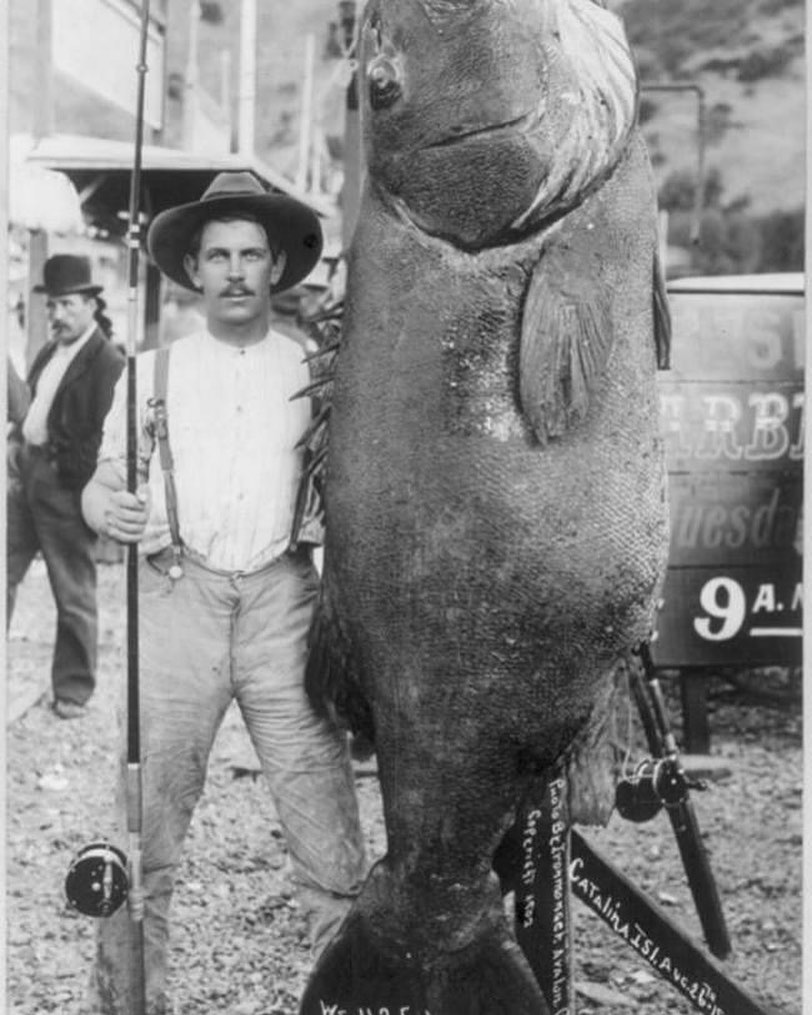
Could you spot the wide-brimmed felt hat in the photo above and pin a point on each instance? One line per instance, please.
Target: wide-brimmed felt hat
(65, 274)
(291, 226)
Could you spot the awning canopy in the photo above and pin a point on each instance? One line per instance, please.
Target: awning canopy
(100, 170)
(43, 199)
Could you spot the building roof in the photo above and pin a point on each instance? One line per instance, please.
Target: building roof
(100, 170)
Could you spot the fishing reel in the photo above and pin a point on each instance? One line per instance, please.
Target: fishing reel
(97, 882)
(656, 783)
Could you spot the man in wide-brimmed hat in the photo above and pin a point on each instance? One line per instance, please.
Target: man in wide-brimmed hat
(228, 587)
(51, 455)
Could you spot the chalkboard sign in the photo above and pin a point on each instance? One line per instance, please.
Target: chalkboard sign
(732, 408)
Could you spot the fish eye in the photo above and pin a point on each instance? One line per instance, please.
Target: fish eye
(383, 76)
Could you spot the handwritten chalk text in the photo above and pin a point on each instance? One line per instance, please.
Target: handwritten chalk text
(558, 850)
(395, 1009)
(612, 910)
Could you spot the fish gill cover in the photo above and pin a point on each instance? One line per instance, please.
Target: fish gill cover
(486, 119)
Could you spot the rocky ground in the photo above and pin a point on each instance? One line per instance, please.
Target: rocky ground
(238, 939)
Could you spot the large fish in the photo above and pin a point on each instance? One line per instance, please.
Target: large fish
(495, 502)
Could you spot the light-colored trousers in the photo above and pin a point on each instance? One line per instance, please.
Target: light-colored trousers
(206, 639)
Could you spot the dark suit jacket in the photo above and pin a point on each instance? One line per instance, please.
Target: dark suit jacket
(81, 402)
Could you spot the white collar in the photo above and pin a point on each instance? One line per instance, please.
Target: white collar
(71, 350)
(229, 349)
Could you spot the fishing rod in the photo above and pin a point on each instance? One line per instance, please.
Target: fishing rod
(134, 808)
(101, 878)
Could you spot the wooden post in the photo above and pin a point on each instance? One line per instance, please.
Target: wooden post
(316, 146)
(190, 84)
(305, 124)
(695, 725)
(225, 94)
(247, 90)
(5, 49)
(36, 316)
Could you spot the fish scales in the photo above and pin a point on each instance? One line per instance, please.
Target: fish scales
(495, 503)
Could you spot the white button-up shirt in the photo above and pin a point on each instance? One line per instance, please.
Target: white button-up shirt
(232, 432)
(35, 424)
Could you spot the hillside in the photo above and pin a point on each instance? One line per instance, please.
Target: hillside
(746, 55)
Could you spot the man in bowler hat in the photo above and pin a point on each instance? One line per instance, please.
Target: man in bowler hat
(227, 582)
(51, 455)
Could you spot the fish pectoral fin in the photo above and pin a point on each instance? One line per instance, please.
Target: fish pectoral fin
(565, 342)
(662, 318)
(331, 680)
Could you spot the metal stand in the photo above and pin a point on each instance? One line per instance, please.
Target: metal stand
(676, 799)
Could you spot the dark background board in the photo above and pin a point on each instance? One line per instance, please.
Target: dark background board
(733, 417)
(737, 519)
(748, 616)
(736, 335)
(740, 426)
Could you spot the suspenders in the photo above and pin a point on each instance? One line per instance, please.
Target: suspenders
(158, 405)
(161, 432)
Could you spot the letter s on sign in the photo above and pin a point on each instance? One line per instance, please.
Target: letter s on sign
(724, 600)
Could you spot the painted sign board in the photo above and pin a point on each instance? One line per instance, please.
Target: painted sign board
(732, 407)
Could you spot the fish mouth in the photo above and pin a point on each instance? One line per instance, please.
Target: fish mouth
(496, 129)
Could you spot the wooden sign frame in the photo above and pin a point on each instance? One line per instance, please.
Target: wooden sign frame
(732, 408)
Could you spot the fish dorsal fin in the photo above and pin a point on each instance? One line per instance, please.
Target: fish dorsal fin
(566, 338)
(662, 318)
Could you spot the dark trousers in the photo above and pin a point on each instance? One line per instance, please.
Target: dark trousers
(43, 516)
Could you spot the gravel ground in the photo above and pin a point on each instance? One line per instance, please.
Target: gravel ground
(238, 941)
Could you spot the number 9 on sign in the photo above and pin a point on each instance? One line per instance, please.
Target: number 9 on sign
(723, 600)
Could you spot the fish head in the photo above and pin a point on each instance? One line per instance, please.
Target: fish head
(484, 119)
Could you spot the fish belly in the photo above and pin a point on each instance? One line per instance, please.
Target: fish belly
(486, 583)
(473, 565)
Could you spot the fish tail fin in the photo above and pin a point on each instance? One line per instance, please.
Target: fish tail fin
(362, 974)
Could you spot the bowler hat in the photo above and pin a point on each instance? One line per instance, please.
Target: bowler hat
(64, 274)
(291, 226)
